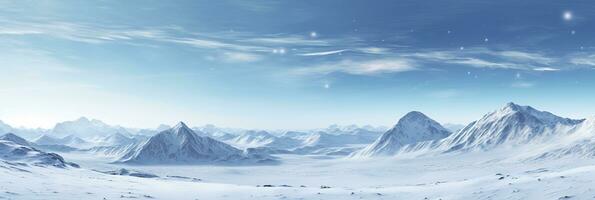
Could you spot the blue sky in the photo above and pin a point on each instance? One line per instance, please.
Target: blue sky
(291, 64)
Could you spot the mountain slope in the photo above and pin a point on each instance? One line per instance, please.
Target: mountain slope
(70, 141)
(116, 139)
(579, 141)
(412, 128)
(180, 145)
(16, 149)
(16, 139)
(253, 139)
(509, 126)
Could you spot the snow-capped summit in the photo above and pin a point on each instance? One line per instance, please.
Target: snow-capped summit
(16, 139)
(181, 145)
(412, 128)
(544, 117)
(512, 125)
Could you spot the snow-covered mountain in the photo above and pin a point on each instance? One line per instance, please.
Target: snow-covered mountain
(579, 141)
(253, 139)
(114, 152)
(16, 139)
(412, 128)
(23, 132)
(181, 145)
(352, 130)
(116, 139)
(509, 126)
(16, 149)
(71, 141)
(86, 129)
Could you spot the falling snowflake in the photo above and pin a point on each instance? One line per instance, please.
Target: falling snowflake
(567, 15)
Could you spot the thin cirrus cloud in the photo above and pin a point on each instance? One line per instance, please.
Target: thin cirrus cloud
(522, 84)
(487, 58)
(245, 47)
(366, 67)
(546, 69)
(586, 60)
(365, 50)
(96, 34)
(323, 53)
(240, 57)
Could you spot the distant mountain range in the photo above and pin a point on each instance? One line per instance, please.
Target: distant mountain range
(537, 134)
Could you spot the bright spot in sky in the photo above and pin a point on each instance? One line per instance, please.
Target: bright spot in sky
(462, 48)
(572, 32)
(485, 40)
(313, 34)
(327, 86)
(279, 51)
(567, 15)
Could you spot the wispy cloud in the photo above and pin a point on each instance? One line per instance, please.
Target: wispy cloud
(588, 60)
(524, 56)
(487, 58)
(323, 53)
(462, 58)
(546, 69)
(287, 40)
(522, 84)
(374, 50)
(367, 67)
(240, 57)
(248, 47)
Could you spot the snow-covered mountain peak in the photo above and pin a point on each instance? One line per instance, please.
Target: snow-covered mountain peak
(83, 120)
(512, 110)
(182, 145)
(412, 128)
(14, 138)
(417, 122)
(511, 125)
(180, 126)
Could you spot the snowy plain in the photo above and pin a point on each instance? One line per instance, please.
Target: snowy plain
(447, 177)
